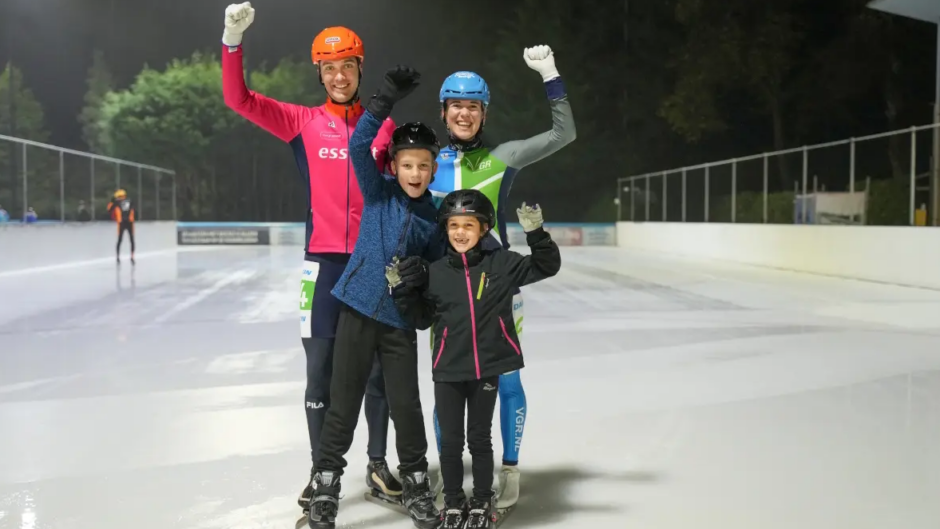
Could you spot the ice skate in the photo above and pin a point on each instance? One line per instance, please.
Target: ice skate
(481, 515)
(418, 499)
(325, 503)
(454, 515)
(303, 500)
(383, 487)
(508, 487)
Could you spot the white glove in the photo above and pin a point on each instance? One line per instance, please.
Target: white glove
(542, 60)
(530, 218)
(237, 19)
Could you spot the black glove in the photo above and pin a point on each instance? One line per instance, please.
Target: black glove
(398, 83)
(413, 271)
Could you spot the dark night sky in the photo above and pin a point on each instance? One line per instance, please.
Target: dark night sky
(53, 40)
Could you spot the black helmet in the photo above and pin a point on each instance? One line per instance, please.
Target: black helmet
(414, 135)
(467, 202)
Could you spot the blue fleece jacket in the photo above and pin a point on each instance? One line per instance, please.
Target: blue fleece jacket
(393, 224)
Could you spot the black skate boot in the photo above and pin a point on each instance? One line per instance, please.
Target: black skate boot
(304, 500)
(454, 515)
(306, 495)
(419, 500)
(382, 484)
(325, 503)
(481, 515)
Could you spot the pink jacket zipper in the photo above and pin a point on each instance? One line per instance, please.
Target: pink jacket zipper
(473, 318)
(506, 334)
(441, 350)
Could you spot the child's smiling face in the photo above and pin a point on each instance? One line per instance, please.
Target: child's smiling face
(464, 232)
(414, 169)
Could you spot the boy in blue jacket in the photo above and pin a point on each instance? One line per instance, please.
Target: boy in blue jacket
(399, 219)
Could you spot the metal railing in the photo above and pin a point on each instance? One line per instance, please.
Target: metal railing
(831, 172)
(56, 181)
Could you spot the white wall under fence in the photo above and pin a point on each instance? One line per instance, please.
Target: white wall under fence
(892, 254)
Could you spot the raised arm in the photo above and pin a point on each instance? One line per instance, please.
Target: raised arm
(399, 82)
(544, 260)
(364, 163)
(283, 120)
(520, 153)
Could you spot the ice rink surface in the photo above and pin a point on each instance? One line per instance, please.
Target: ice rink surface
(662, 394)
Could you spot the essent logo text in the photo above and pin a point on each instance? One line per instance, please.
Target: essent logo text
(337, 153)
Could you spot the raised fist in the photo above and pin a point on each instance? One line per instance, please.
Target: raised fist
(542, 60)
(237, 19)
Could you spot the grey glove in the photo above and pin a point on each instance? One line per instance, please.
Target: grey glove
(391, 273)
(529, 217)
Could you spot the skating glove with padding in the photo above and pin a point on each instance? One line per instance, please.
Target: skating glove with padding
(237, 19)
(530, 217)
(397, 84)
(542, 60)
(414, 272)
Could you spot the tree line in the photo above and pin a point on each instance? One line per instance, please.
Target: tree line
(653, 85)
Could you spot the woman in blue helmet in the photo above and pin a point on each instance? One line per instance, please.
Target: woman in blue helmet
(467, 164)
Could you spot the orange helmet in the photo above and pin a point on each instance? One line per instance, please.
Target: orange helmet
(336, 43)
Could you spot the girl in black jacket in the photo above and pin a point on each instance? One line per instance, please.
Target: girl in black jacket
(467, 298)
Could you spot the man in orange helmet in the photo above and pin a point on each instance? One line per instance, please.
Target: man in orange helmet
(319, 137)
(124, 213)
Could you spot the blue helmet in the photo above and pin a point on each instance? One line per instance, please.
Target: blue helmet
(465, 85)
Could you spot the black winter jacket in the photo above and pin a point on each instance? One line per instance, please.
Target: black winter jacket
(468, 301)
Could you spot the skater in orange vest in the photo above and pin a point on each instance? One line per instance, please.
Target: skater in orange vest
(124, 214)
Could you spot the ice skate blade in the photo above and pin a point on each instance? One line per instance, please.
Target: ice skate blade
(304, 522)
(381, 499)
(501, 515)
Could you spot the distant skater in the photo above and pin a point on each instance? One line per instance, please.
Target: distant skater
(124, 213)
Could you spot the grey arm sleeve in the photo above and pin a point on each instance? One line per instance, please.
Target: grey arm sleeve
(520, 153)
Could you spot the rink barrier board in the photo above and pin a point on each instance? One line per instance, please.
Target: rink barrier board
(25, 246)
(897, 255)
(293, 234)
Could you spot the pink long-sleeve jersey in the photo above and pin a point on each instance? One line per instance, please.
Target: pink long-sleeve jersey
(319, 137)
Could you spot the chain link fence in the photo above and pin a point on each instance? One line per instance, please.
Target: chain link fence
(882, 179)
(63, 184)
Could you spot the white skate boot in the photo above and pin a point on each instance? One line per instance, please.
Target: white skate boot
(508, 487)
